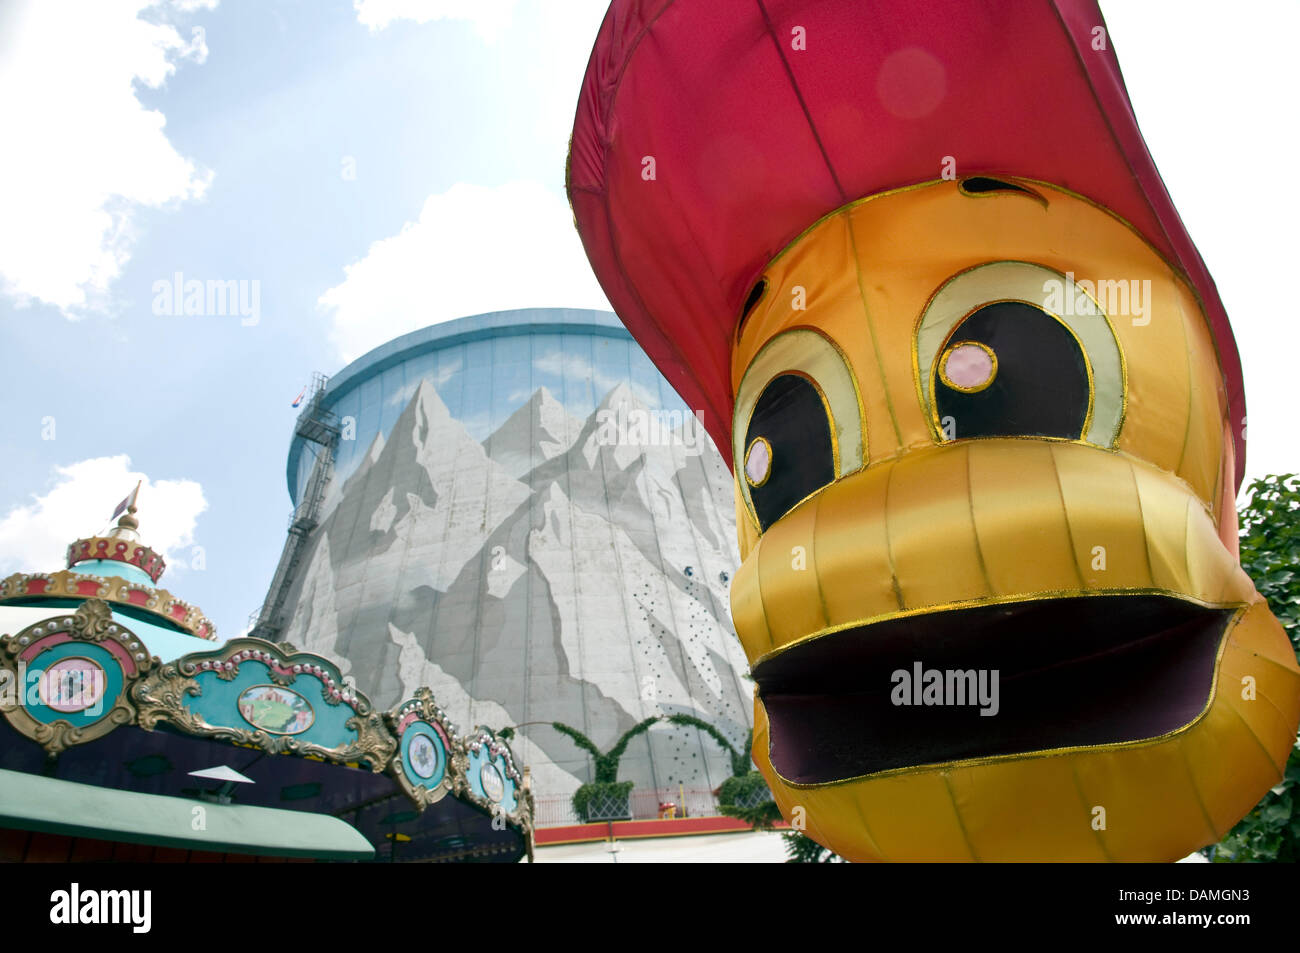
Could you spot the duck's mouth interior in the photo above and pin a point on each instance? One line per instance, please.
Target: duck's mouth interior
(1094, 670)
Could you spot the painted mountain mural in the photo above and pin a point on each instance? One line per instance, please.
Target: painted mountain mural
(560, 570)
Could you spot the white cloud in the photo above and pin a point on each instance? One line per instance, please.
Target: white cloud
(82, 154)
(35, 537)
(490, 17)
(474, 249)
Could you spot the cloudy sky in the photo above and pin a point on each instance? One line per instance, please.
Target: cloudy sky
(379, 165)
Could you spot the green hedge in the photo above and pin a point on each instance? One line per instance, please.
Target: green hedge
(739, 790)
(598, 791)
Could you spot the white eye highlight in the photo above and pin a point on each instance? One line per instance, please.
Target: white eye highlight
(968, 366)
(758, 462)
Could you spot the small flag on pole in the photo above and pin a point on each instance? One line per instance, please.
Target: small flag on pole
(126, 503)
(298, 400)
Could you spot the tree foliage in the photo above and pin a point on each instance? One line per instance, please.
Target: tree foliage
(802, 849)
(606, 763)
(1270, 554)
(736, 798)
(605, 784)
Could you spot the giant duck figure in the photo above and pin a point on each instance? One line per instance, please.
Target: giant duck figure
(914, 265)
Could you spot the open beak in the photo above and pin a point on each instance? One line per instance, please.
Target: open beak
(980, 600)
(1012, 678)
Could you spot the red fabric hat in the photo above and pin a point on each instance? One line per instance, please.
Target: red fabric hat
(753, 141)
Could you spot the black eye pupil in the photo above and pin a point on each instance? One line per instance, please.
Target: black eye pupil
(1041, 385)
(791, 416)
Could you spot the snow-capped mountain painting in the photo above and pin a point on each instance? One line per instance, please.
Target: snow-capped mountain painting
(558, 570)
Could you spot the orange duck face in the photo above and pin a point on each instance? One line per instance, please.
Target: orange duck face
(990, 590)
(986, 437)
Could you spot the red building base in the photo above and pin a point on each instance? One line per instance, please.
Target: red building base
(628, 830)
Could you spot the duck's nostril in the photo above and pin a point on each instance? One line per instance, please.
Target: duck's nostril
(983, 185)
(755, 295)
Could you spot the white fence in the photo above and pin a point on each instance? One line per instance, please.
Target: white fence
(643, 804)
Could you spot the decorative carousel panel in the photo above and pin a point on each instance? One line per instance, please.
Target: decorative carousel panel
(271, 696)
(424, 745)
(491, 778)
(66, 680)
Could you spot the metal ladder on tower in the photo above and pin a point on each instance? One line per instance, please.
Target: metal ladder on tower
(318, 426)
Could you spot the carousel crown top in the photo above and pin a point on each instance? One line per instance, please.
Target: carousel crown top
(120, 544)
(115, 566)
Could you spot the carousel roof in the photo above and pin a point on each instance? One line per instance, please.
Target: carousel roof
(122, 570)
(99, 700)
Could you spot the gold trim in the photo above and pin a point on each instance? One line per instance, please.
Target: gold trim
(745, 463)
(943, 367)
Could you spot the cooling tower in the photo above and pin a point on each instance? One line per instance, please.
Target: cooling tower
(518, 511)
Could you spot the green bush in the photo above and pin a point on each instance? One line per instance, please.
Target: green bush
(741, 788)
(736, 799)
(618, 791)
(1270, 554)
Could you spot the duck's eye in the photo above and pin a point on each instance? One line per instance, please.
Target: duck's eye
(789, 453)
(1013, 370)
(797, 424)
(998, 356)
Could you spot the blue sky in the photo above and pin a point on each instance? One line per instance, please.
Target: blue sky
(379, 166)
